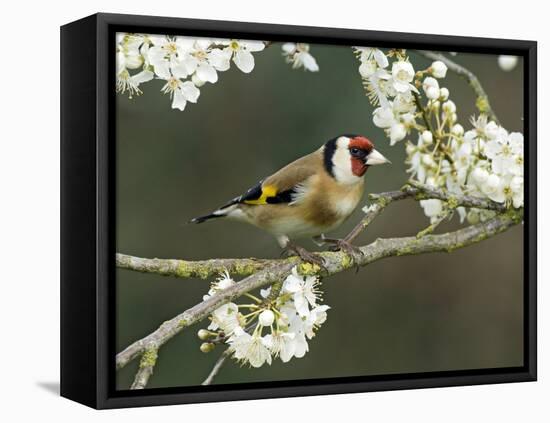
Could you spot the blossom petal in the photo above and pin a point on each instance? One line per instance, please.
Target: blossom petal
(207, 73)
(380, 58)
(162, 69)
(143, 76)
(179, 70)
(219, 59)
(253, 45)
(179, 101)
(309, 62)
(190, 91)
(289, 47)
(244, 61)
(158, 40)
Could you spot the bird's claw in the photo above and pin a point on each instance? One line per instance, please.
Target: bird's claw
(305, 255)
(351, 250)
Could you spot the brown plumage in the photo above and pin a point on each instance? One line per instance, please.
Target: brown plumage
(308, 197)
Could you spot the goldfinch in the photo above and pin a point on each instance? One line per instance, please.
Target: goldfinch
(308, 197)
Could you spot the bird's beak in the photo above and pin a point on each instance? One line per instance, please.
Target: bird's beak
(375, 158)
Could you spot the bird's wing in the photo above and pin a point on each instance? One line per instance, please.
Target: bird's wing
(284, 186)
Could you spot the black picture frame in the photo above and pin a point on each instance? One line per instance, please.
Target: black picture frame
(88, 210)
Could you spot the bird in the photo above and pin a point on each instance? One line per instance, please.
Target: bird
(308, 197)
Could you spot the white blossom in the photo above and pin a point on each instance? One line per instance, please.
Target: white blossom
(282, 344)
(185, 63)
(252, 349)
(369, 54)
(304, 291)
(384, 117)
(402, 75)
(432, 209)
(299, 56)
(397, 133)
(438, 69)
(225, 318)
(180, 92)
(289, 320)
(224, 281)
(241, 52)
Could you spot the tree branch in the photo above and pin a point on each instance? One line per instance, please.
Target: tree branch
(146, 365)
(204, 269)
(425, 192)
(335, 262)
(482, 100)
(201, 269)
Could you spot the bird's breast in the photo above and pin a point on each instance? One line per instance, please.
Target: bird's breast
(330, 203)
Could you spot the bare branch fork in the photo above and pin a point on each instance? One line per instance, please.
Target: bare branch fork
(260, 273)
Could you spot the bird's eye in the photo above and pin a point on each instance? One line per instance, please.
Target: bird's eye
(355, 151)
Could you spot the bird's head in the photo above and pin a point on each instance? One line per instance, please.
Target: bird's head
(348, 157)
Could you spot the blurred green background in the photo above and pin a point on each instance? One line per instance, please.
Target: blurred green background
(400, 315)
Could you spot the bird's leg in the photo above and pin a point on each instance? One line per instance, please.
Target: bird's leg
(341, 245)
(289, 248)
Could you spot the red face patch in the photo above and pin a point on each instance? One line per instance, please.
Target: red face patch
(362, 143)
(358, 166)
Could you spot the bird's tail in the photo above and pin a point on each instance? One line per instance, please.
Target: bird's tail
(204, 218)
(224, 211)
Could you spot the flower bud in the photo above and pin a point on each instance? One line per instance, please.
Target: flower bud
(427, 137)
(203, 334)
(267, 317)
(507, 63)
(438, 69)
(449, 107)
(443, 94)
(430, 82)
(427, 160)
(457, 130)
(206, 347)
(432, 93)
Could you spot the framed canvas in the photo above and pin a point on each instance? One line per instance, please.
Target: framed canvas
(395, 172)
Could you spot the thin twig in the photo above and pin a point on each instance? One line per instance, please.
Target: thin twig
(433, 226)
(217, 366)
(380, 202)
(482, 100)
(425, 116)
